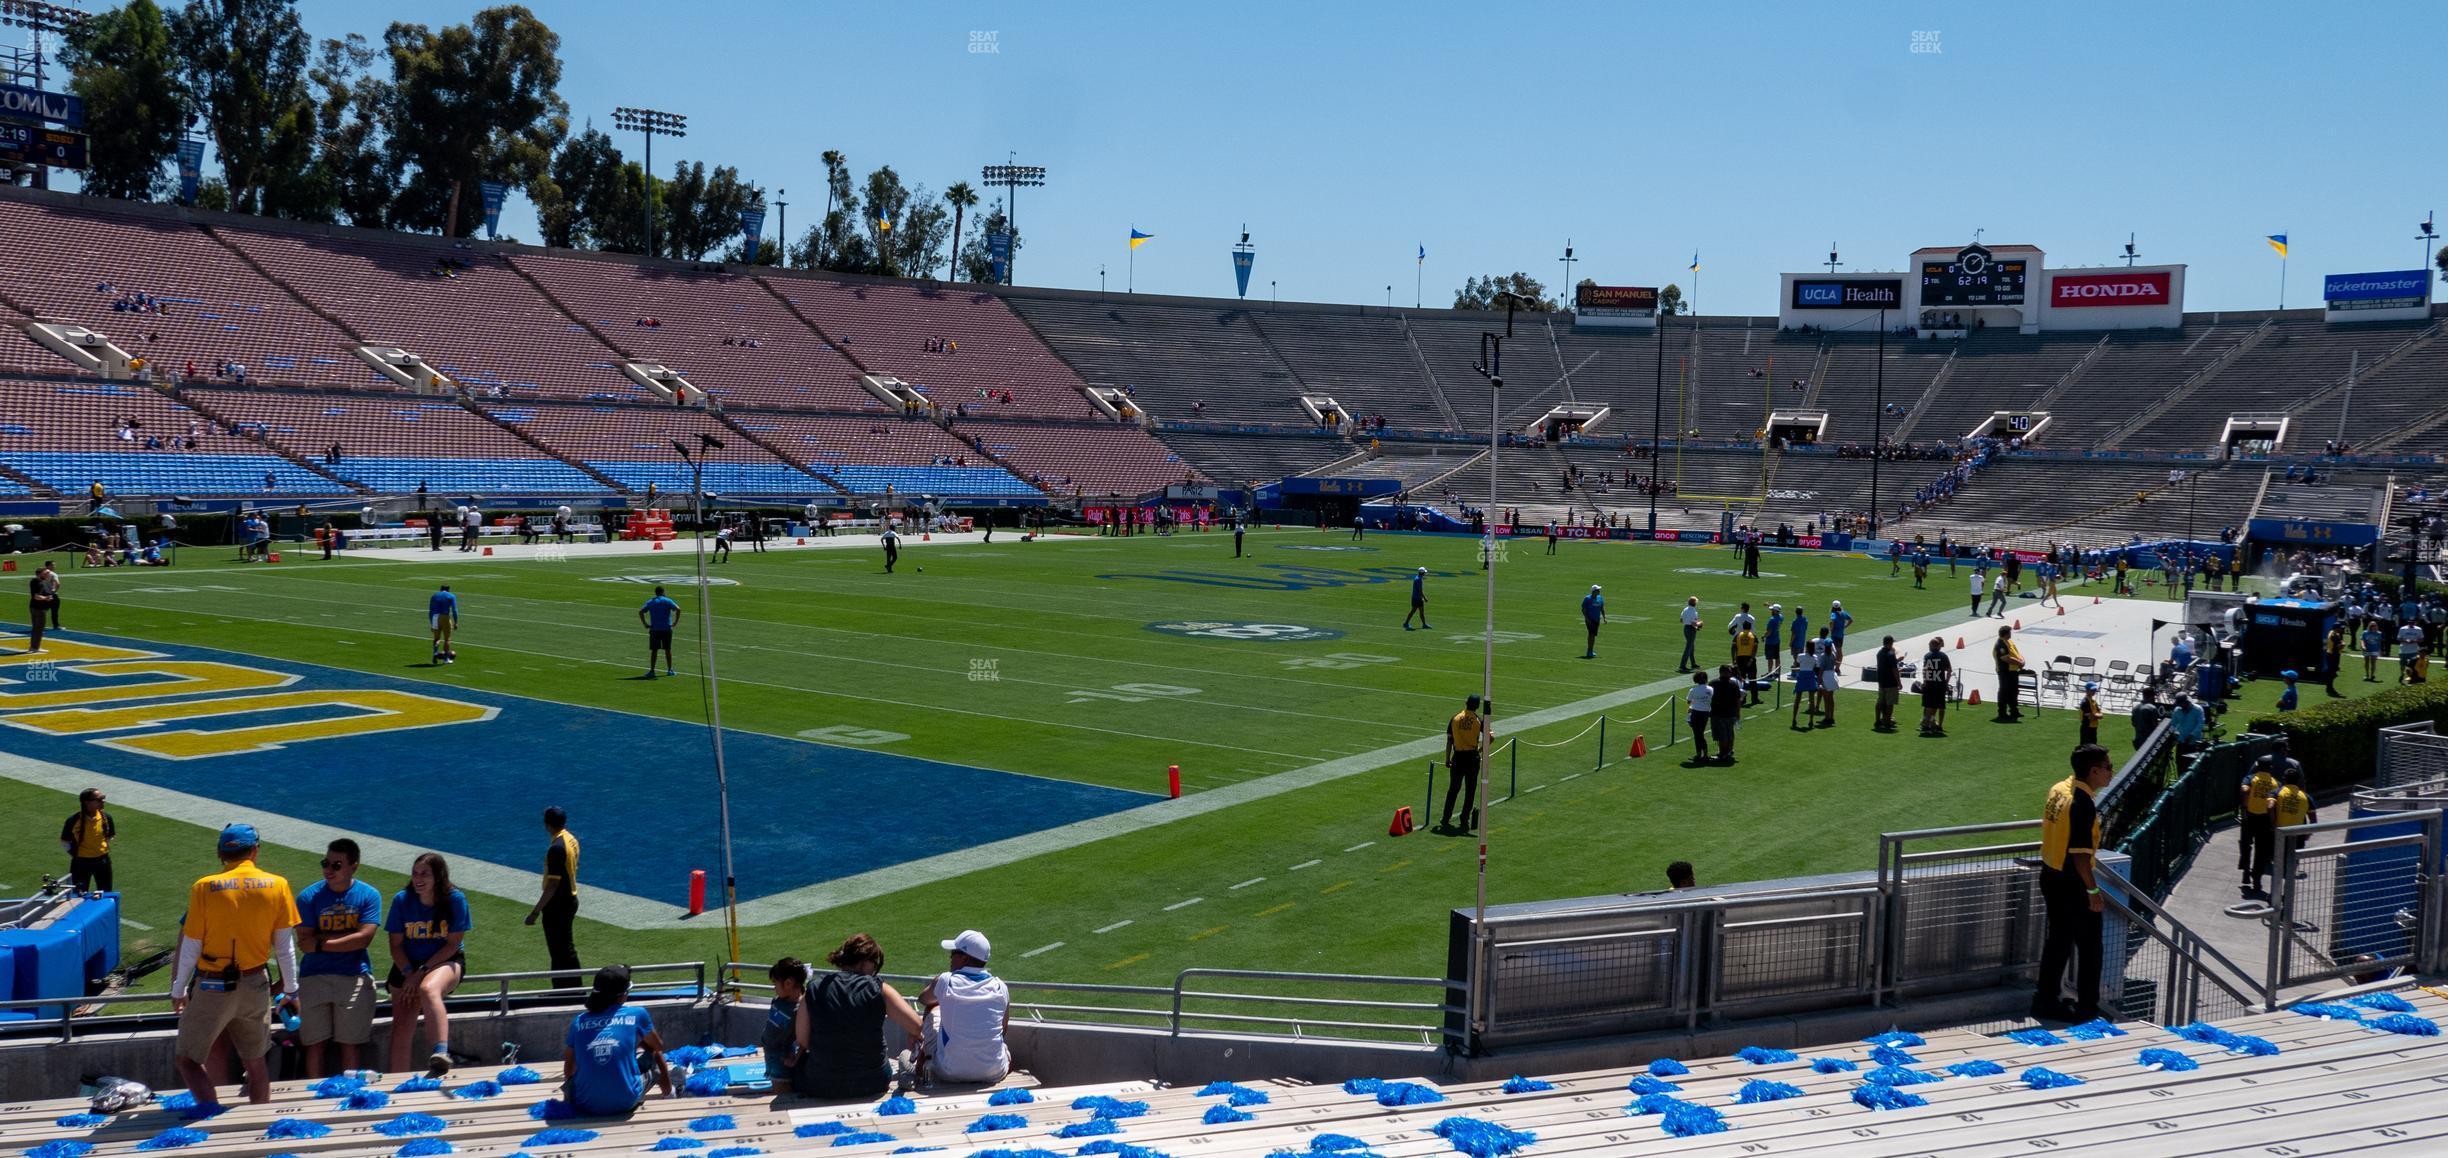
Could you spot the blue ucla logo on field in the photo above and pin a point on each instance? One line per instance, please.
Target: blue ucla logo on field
(1247, 632)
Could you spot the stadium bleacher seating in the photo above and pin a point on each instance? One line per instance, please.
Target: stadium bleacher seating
(2282, 1079)
(1174, 356)
(395, 443)
(886, 328)
(1087, 459)
(213, 307)
(723, 332)
(462, 310)
(632, 445)
(528, 332)
(68, 435)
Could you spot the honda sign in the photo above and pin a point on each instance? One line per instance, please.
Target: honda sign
(2069, 291)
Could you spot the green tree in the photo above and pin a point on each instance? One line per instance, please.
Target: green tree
(350, 105)
(978, 263)
(919, 234)
(700, 209)
(885, 199)
(1670, 301)
(1486, 293)
(961, 198)
(591, 197)
(2442, 262)
(245, 60)
(470, 103)
(121, 63)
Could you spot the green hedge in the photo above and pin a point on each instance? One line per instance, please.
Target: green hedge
(2388, 582)
(2338, 741)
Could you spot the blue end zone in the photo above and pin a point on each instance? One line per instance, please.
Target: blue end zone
(639, 789)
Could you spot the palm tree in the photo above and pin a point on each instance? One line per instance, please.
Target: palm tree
(833, 163)
(961, 198)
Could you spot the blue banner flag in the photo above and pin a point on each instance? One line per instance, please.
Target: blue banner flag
(191, 168)
(998, 248)
(495, 192)
(752, 223)
(1242, 260)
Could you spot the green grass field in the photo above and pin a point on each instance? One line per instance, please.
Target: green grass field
(1039, 658)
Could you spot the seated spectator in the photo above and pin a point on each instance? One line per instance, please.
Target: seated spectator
(838, 1032)
(779, 1039)
(610, 1049)
(428, 922)
(972, 1010)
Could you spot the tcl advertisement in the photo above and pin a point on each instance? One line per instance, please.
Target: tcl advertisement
(2068, 291)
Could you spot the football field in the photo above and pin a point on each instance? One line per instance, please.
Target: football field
(983, 743)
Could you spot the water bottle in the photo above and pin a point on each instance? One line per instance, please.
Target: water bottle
(290, 1022)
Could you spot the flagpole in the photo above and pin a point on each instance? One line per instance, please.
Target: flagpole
(2282, 264)
(1130, 274)
(1419, 271)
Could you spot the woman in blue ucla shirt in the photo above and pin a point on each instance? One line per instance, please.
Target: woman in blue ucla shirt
(611, 1049)
(428, 920)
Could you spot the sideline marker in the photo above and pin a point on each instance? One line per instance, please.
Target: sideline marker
(658, 544)
(1173, 780)
(1959, 643)
(696, 892)
(488, 550)
(1640, 747)
(1973, 700)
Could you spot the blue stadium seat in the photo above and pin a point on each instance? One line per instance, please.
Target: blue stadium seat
(931, 480)
(171, 472)
(722, 478)
(459, 475)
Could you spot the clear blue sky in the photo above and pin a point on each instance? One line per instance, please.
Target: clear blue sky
(1347, 134)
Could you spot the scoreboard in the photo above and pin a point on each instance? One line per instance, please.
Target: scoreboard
(1974, 278)
(28, 144)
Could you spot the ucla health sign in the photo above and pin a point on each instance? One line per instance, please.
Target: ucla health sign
(34, 106)
(2376, 291)
(1851, 294)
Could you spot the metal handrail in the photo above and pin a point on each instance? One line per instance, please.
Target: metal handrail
(2150, 914)
(499, 999)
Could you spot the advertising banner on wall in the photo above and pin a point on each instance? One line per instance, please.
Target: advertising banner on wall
(2377, 291)
(1638, 300)
(1849, 294)
(2130, 288)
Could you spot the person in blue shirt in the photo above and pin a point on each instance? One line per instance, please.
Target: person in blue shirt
(2286, 699)
(1772, 639)
(429, 919)
(658, 615)
(442, 615)
(2191, 724)
(1419, 600)
(1801, 634)
(1593, 613)
(338, 917)
(1895, 558)
(610, 1050)
(1838, 620)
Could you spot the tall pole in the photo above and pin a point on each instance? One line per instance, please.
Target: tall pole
(1878, 424)
(1491, 357)
(1657, 412)
(650, 122)
(705, 651)
(1012, 177)
(782, 229)
(2282, 264)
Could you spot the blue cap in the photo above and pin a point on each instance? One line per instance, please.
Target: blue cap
(238, 838)
(2288, 674)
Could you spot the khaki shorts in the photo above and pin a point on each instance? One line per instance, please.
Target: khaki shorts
(336, 1007)
(238, 1010)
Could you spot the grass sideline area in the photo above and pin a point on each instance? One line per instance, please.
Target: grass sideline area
(1041, 658)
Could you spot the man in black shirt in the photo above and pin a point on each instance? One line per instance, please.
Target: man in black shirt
(1890, 685)
(2069, 838)
(1725, 710)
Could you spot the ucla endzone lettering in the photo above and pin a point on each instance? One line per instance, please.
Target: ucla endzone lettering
(312, 750)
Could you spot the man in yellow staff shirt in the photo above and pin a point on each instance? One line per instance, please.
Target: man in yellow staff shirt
(2069, 838)
(2010, 676)
(2292, 807)
(87, 838)
(237, 921)
(558, 906)
(2256, 820)
(1466, 736)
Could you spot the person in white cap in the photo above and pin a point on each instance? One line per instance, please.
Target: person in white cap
(972, 1012)
(1593, 613)
(1419, 602)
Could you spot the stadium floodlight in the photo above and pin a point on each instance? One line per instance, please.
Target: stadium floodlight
(650, 122)
(1013, 178)
(707, 444)
(2427, 237)
(2130, 252)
